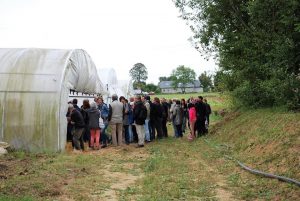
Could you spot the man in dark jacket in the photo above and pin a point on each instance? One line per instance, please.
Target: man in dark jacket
(140, 115)
(157, 115)
(78, 123)
(165, 116)
(201, 116)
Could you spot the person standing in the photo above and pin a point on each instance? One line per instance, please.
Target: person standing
(115, 118)
(201, 116)
(94, 115)
(75, 102)
(165, 116)
(125, 118)
(208, 110)
(172, 116)
(131, 119)
(146, 125)
(140, 115)
(157, 118)
(192, 119)
(185, 114)
(77, 121)
(178, 117)
(102, 107)
(84, 111)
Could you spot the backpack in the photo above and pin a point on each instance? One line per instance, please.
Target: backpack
(85, 116)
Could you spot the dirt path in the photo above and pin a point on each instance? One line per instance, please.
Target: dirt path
(222, 193)
(109, 174)
(120, 171)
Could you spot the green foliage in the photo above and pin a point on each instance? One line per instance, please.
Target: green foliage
(257, 44)
(205, 81)
(151, 88)
(166, 78)
(181, 76)
(139, 74)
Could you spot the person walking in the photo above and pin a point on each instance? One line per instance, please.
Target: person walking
(140, 115)
(115, 118)
(94, 116)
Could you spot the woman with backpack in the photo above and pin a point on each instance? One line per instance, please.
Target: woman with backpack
(94, 116)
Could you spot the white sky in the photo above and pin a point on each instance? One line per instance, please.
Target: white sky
(116, 33)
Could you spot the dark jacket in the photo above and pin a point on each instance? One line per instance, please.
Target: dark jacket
(156, 111)
(165, 107)
(76, 117)
(94, 115)
(137, 113)
(208, 109)
(200, 111)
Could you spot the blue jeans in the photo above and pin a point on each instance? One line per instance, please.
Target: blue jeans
(175, 129)
(130, 133)
(127, 138)
(103, 136)
(147, 132)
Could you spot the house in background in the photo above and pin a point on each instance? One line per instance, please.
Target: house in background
(166, 87)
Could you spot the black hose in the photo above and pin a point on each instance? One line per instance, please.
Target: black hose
(280, 178)
(257, 172)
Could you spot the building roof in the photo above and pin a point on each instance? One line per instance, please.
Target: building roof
(168, 84)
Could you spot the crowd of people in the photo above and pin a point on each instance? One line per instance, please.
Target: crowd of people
(137, 120)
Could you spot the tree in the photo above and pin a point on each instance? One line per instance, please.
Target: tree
(205, 81)
(256, 44)
(181, 76)
(152, 88)
(166, 78)
(163, 79)
(139, 74)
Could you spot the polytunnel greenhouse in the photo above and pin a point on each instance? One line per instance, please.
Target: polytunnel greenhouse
(113, 85)
(34, 89)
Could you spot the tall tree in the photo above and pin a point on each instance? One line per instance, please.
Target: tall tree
(205, 81)
(257, 44)
(139, 74)
(181, 76)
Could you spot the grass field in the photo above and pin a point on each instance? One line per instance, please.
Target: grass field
(168, 169)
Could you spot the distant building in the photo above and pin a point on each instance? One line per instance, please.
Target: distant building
(167, 87)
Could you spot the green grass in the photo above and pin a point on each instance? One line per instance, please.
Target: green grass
(169, 169)
(264, 139)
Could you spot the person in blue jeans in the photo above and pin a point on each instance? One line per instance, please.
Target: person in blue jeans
(146, 125)
(104, 115)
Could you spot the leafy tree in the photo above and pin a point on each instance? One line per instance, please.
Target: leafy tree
(163, 79)
(257, 45)
(152, 88)
(205, 81)
(139, 74)
(139, 85)
(181, 76)
(170, 78)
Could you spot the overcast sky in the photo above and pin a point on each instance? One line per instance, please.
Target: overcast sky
(116, 33)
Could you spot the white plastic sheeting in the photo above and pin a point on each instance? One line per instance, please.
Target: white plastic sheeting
(34, 89)
(112, 85)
